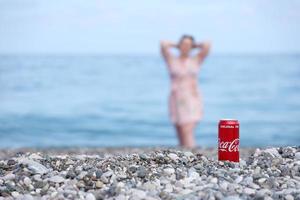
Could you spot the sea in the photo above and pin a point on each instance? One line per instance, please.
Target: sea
(122, 100)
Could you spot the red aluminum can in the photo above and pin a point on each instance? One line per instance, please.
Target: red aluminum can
(229, 140)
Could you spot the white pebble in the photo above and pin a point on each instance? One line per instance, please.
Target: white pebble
(214, 180)
(193, 175)
(249, 191)
(224, 185)
(188, 154)
(9, 177)
(173, 156)
(169, 171)
(120, 197)
(138, 194)
(242, 163)
(297, 156)
(82, 174)
(261, 180)
(186, 191)
(27, 197)
(107, 174)
(289, 197)
(34, 166)
(168, 188)
(27, 181)
(273, 152)
(233, 197)
(90, 196)
(15, 194)
(57, 179)
(238, 179)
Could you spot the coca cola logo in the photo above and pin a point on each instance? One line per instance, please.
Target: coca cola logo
(232, 146)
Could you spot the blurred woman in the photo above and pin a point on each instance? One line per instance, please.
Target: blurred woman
(185, 100)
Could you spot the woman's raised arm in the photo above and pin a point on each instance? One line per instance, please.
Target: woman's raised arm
(204, 49)
(165, 49)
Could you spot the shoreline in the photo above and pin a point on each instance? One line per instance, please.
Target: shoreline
(111, 151)
(148, 173)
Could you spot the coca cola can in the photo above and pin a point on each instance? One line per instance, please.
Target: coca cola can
(228, 140)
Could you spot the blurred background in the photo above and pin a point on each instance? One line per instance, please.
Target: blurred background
(89, 73)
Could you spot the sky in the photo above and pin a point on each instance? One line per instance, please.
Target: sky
(136, 26)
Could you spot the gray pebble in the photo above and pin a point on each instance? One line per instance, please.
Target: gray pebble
(56, 179)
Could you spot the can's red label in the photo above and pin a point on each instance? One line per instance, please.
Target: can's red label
(228, 140)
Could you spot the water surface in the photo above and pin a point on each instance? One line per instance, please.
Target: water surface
(109, 100)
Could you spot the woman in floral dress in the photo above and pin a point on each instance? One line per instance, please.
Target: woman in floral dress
(185, 100)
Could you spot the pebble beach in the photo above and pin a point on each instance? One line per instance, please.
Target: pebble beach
(149, 173)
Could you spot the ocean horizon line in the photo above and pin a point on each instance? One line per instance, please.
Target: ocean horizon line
(135, 54)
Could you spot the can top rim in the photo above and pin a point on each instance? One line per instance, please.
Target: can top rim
(229, 121)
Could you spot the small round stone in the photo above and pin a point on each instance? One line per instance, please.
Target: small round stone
(11, 162)
(90, 196)
(99, 184)
(27, 181)
(289, 197)
(169, 171)
(141, 172)
(249, 191)
(173, 156)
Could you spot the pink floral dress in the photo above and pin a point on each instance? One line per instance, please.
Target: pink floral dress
(185, 100)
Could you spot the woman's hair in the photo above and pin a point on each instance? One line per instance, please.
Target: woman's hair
(185, 36)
